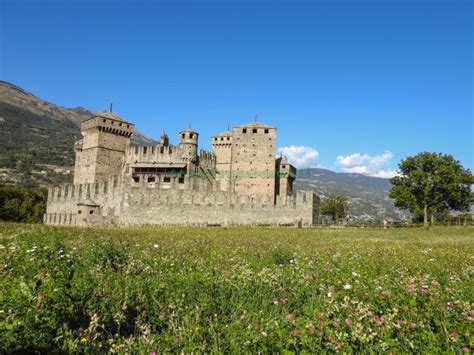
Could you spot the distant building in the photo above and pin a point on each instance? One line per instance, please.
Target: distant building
(240, 182)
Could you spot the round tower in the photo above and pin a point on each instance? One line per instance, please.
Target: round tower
(188, 142)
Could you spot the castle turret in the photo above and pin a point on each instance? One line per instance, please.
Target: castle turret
(188, 142)
(101, 152)
(222, 148)
(164, 140)
(284, 178)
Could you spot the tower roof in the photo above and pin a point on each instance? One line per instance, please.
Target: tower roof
(255, 124)
(109, 115)
(189, 129)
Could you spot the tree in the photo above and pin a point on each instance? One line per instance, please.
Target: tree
(335, 207)
(432, 183)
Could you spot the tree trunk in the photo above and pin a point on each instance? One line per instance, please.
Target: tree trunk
(425, 216)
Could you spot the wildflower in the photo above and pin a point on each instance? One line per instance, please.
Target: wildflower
(311, 328)
(398, 325)
(335, 324)
(465, 349)
(156, 246)
(348, 322)
(355, 274)
(177, 340)
(2, 246)
(413, 326)
(347, 287)
(264, 334)
(151, 353)
(329, 294)
(83, 340)
(290, 317)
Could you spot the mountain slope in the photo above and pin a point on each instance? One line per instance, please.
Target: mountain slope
(368, 195)
(38, 137)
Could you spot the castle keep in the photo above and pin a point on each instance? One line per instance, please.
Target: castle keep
(240, 182)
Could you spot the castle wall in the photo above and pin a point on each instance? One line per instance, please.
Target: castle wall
(115, 202)
(148, 206)
(103, 198)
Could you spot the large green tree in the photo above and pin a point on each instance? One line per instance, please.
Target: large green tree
(334, 206)
(432, 183)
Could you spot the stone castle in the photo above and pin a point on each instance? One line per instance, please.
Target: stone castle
(240, 182)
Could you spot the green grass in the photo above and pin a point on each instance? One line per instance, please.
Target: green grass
(235, 290)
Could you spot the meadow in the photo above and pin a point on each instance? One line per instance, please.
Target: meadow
(166, 289)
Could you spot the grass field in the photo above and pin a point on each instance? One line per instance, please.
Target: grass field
(235, 290)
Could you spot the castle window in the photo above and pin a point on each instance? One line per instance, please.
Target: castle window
(144, 150)
(191, 135)
(136, 149)
(79, 212)
(128, 126)
(181, 180)
(166, 179)
(105, 120)
(162, 149)
(151, 179)
(113, 122)
(266, 130)
(228, 138)
(182, 136)
(222, 138)
(215, 138)
(244, 130)
(120, 124)
(254, 130)
(91, 212)
(136, 178)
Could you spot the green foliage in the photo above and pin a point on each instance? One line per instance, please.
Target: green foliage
(22, 204)
(334, 206)
(216, 290)
(431, 184)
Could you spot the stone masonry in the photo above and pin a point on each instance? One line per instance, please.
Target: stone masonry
(240, 183)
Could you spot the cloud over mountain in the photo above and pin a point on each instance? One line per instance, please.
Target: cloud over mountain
(365, 164)
(301, 156)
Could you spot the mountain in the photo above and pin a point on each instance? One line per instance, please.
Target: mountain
(37, 148)
(38, 137)
(368, 196)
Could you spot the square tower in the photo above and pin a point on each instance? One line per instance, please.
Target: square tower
(101, 152)
(253, 159)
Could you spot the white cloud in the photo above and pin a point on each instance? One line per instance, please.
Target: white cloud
(300, 156)
(365, 164)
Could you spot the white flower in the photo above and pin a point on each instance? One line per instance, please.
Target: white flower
(347, 287)
(156, 246)
(329, 294)
(2, 246)
(264, 334)
(355, 274)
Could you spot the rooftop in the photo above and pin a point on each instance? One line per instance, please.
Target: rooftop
(255, 124)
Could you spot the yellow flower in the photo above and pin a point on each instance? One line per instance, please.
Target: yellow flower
(83, 340)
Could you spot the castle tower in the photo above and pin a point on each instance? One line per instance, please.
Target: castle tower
(222, 149)
(188, 142)
(253, 159)
(284, 178)
(101, 152)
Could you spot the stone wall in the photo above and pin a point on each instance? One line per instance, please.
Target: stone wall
(115, 202)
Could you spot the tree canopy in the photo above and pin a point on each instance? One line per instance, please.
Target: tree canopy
(430, 184)
(335, 207)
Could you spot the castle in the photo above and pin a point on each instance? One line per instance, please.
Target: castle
(240, 182)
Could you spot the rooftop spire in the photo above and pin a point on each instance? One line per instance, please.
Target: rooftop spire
(111, 107)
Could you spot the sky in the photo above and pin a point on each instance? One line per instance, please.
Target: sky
(352, 86)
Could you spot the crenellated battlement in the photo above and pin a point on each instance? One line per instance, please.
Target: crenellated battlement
(85, 191)
(151, 154)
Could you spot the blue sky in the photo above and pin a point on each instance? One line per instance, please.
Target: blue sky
(351, 85)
